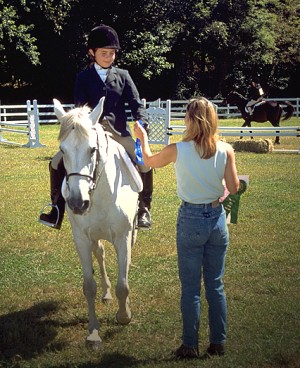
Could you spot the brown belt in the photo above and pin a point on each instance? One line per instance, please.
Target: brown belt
(213, 204)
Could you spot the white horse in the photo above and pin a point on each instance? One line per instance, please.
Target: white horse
(101, 192)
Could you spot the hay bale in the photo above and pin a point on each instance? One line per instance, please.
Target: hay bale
(251, 145)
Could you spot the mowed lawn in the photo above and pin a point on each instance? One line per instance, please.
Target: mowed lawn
(43, 313)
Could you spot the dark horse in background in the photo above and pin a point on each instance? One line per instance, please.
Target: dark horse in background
(265, 111)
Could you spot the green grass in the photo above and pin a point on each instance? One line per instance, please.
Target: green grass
(43, 313)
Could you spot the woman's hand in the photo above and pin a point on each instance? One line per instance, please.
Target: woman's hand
(139, 131)
(167, 155)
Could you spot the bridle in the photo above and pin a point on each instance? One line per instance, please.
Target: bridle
(94, 177)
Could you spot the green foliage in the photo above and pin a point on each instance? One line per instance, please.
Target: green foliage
(148, 53)
(16, 41)
(56, 11)
(173, 49)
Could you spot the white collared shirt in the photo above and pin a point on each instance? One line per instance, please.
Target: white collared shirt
(101, 72)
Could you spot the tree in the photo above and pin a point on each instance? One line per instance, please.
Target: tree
(222, 44)
(172, 48)
(223, 40)
(284, 71)
(18, 50)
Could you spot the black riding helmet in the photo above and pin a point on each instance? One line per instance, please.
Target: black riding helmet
(255, 80)
(103, 37)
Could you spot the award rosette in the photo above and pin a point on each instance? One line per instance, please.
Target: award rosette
(231, 202)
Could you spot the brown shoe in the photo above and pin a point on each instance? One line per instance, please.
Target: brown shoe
(214, 350)
(186, 352)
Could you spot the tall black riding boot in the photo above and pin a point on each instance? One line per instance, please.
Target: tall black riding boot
(145, 198)
(55, 217)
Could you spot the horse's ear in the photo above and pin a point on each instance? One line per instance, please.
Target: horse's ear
(97, 112)
(58, 109)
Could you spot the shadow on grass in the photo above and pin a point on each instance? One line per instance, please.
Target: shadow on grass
(44, 158)
(124, 361)
(26, 333)
(117, 360)
(12, 146)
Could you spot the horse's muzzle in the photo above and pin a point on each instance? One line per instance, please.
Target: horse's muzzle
(78, 207)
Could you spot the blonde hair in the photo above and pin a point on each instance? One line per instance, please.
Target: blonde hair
(201, 122)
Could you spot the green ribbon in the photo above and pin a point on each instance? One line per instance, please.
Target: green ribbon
(232, 201)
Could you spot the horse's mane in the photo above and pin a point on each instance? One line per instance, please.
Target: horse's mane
(237, 94)
(75, 119)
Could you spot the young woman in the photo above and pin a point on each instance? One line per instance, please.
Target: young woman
(100, 79)
(202, 162)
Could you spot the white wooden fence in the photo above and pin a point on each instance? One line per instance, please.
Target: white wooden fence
(162, 115)
(177, 109)
(20, 120)
(224, 112)
(162, 127)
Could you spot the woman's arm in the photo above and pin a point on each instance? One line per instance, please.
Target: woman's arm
(230, 176)
(167, 155)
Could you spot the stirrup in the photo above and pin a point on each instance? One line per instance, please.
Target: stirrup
(42, 213)
(144, 219)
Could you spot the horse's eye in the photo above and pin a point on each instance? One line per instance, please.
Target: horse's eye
(93, 150)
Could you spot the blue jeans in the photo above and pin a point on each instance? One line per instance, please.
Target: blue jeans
(202, 239)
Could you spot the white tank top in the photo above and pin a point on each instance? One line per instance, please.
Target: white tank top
(199, 180)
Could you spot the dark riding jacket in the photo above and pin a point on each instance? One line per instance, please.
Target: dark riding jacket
(255, 93)
(118, 89)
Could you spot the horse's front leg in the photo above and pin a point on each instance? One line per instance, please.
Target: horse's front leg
(247, 123)
(123, 249)
(99, 253)
(84, 249)
(277, 139)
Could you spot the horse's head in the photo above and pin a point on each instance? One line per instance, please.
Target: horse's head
(79, 143)
(233, 98)
(230, 98)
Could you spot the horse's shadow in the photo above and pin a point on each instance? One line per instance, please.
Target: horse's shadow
(117, 360)
(28, 332)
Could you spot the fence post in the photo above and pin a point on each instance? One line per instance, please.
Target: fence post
(1, 139)
(28, 112)
(33, 126)
(4, 120)
(35, 133)
(168, 118)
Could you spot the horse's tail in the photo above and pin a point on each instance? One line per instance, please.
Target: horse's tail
(289, 110)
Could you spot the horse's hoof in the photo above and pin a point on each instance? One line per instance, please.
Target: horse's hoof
(94, 341)
(94, 345)
(125, 320)
(107, 300)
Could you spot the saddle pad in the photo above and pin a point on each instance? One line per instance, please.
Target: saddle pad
(133, 174)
